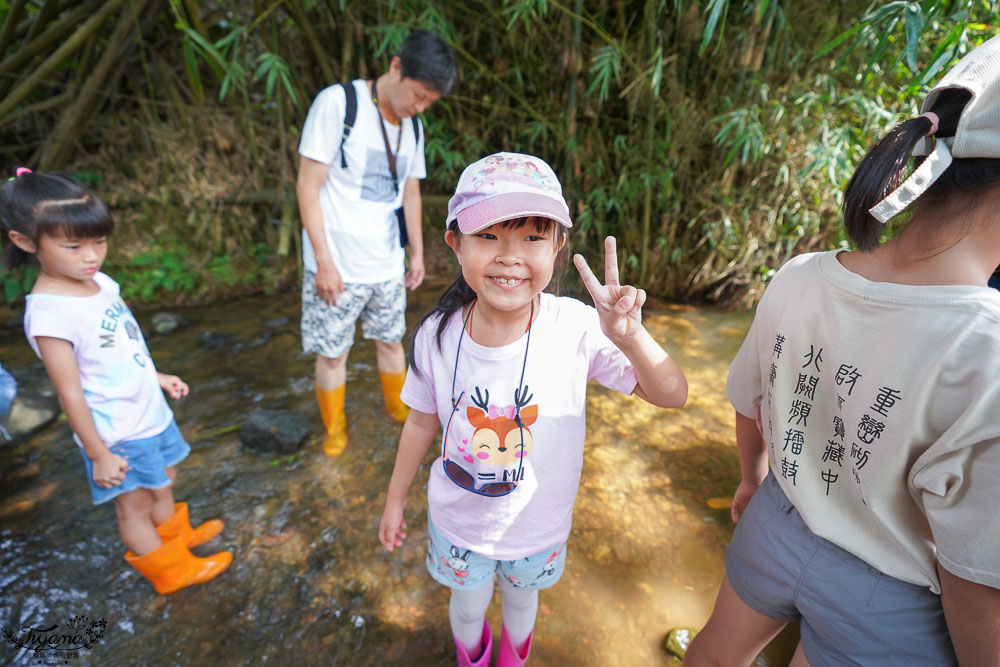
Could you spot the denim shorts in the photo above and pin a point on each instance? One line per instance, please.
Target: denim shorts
(148, 459)
(329, 330)
(849, 612)
(463, 569)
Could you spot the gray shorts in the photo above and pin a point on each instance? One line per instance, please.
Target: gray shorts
(849, 612)
(329, 330)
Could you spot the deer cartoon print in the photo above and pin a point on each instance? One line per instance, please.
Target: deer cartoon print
(497, 439)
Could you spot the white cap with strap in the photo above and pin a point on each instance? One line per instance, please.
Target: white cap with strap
(976, 136)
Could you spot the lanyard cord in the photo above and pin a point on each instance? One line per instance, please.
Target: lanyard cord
(518, 393)
(399, 137)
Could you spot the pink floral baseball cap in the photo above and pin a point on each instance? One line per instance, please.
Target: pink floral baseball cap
(506, 186)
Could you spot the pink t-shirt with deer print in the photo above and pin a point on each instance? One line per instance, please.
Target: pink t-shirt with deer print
(567, 349)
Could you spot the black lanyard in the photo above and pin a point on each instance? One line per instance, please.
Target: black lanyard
(385, 137)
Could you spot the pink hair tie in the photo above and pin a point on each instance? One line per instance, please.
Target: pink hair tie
(933, 118)
(21, 171)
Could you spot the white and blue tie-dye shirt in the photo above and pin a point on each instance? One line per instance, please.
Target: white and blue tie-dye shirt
(116, 372)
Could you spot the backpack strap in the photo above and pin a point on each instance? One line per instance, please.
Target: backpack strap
(350, 114)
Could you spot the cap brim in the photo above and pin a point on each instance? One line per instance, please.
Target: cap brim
(510, 206)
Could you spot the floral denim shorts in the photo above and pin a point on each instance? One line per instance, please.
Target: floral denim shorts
(464, 569)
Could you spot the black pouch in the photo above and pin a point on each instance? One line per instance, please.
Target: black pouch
(404, 238)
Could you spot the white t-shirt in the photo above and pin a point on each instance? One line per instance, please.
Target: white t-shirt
(567, 349)
(358, 202)
(880, 406)
(118, 377)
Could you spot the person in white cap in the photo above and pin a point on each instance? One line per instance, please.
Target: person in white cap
(868, 414)
(503, 366)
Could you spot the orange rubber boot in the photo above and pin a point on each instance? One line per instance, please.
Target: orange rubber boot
(179, 525)
(392, 384)
(331, 408)
(172, 567)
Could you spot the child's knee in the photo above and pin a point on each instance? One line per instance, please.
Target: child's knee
(163, 495)
(134, 504)
(517, 598)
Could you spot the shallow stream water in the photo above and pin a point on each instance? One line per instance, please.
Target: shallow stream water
(310, 584)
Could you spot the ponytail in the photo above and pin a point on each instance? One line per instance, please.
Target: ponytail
(455, 297)
(885, 167)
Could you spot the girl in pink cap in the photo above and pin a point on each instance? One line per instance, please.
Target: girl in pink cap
(867, 415)
(503, 367)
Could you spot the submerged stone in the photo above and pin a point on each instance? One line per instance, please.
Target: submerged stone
(275, 431)
(213, 340)
(164, 323)
(28, 415)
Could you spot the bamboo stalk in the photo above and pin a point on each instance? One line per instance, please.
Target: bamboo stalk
(10, 24)
(194, 15)
(85, 105)
(27, 51)
(28, 84)
(322, 57)
(268, 196)
(49, 103)
(176, 107)
(41, 19)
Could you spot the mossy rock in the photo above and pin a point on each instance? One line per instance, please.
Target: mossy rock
(677, 641)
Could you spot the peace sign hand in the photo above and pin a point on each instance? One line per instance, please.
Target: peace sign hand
(619, 306)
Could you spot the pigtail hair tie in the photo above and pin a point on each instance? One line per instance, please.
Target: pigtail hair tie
(935, 121)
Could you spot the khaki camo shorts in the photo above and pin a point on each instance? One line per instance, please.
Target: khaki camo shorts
(329, 330)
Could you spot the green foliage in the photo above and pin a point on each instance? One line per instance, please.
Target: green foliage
(712, 137)
(158, 273)
(17, 282)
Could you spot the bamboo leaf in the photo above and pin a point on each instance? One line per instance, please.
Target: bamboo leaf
(838, 40)
(191, 69)
(716, 15)
(914, 28)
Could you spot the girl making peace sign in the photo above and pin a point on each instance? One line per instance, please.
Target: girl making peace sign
(503, 367)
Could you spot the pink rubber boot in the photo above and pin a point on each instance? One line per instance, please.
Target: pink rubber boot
(484, 660)
(509, 656)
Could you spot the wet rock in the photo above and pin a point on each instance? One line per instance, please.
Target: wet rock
(275, 432)
(261, 340)
(164, 323)
(213, 339)
(677, 641)
(28, 415)
(276, 322)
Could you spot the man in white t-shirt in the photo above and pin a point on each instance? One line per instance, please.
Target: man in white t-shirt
(352, 188)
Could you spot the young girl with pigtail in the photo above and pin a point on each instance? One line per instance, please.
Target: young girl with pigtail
(96, 357)
(503, 367)
(868, 414)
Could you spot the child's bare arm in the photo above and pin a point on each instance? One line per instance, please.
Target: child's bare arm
(972, 612)
(418, 433)
(173, 385)
(660, 379)
(752, 451)
(60, 362)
